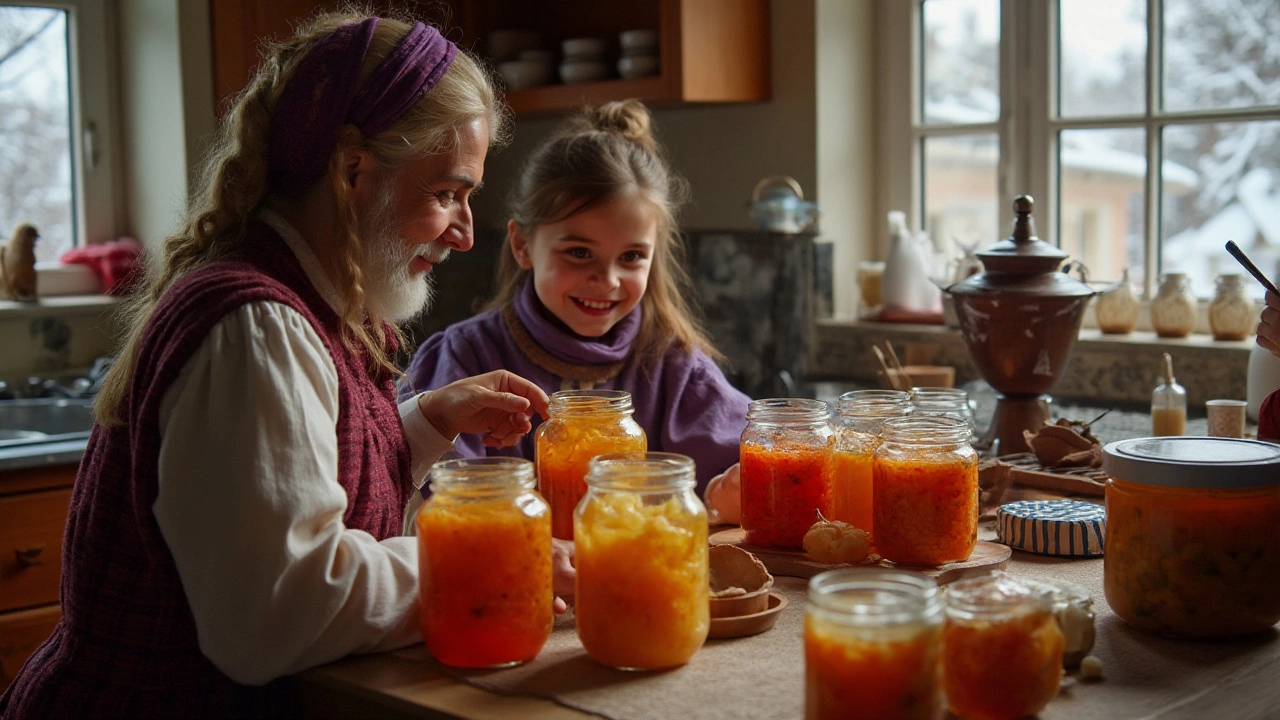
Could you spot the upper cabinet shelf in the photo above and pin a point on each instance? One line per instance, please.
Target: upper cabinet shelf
(711, 51)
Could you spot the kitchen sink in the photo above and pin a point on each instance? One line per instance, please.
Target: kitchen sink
(41, 420)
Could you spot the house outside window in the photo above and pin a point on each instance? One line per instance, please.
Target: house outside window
(1147, 130)
(56, 129)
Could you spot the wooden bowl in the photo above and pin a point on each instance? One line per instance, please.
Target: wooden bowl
(736, 605)
(744, 625)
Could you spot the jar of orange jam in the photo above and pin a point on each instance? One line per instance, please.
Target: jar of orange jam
(859, 427)
(640, 548)
(581, 424)
(925, 491)
(1002, 648)
(873, 646)
(484, 559)
(785, 470)
(1193, 535)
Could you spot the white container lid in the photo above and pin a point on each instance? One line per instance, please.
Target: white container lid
(1193, 462)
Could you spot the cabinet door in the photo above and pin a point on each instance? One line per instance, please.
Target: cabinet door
(238, 27)
(31, 529)
(20, 634)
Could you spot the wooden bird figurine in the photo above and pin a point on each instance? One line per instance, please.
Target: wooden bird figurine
(18, 264)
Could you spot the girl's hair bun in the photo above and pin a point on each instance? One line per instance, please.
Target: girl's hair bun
(628, 118)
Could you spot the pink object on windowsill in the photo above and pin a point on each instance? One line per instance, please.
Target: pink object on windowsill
(118, 264)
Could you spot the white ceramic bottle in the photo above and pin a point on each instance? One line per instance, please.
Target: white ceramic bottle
(906, 284)
(1263, 378)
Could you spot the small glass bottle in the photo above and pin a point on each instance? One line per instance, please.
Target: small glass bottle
(1173, 310)
(484, 556)
(948, 402)
(861, 415)
(925, 492)
(581, 424)
(785, 470)
(873, 646)
(640, 549)
(1231, 313)
(1002, 648)
(1168, 404)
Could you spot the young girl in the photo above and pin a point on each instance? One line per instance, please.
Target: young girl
(593, 295)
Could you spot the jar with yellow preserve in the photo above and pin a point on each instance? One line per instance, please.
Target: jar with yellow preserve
(640, 549)
(860, 422)
(925, 491)
(484, 557)
(1192, 543)
(1002, 656)
(581, 424)
(873, 646)
(785, 470)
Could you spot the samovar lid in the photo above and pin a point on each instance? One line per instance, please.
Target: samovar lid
(1022, 252)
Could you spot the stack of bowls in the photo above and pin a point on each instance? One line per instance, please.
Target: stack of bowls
(639, 54)
(531, 69)
(583, 60)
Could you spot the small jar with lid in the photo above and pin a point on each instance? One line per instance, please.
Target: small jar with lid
(947, 402)
(1192, 546)
(873, 646)
(484, 556)
(859, 426)
(925, 491)
(1002, 648)
(1231, 312)
(581, 424)
(1173, 310)
(640, 549)
(785, 470)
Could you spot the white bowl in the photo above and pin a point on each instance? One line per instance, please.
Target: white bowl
(639, 39)
(581, 72)
(507, 45)
(520, 74)
(638, 66)
(584, 47)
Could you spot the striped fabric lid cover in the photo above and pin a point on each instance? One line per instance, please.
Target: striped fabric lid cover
(1071, 528)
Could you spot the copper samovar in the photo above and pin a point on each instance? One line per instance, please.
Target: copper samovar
(1020, 318)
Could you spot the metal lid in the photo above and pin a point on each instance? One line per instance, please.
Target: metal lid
(1194, 462)
(1022, 251)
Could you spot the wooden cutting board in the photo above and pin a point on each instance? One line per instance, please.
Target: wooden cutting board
(986, 557)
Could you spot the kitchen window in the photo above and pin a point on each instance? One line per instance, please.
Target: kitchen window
(56, 159)
(1147, 130)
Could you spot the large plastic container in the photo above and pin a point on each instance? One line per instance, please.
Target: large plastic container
(1193, 535)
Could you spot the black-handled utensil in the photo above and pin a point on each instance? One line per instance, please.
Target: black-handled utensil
(1238, 254)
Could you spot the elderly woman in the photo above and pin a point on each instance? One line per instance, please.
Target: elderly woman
(236, 515)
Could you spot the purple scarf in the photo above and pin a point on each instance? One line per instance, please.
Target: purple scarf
(323, 95)
(564, 344)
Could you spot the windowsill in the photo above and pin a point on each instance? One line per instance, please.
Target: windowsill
(1119, 368)
(57, 305)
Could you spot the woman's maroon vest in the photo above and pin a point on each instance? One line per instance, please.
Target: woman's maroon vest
(126, 645)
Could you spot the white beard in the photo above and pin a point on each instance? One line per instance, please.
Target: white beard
(390, 291)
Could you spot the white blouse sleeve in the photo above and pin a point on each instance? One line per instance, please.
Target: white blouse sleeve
(251, 509)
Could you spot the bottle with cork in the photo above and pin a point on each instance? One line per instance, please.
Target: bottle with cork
(1168, 404)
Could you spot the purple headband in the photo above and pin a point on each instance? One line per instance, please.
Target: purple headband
(322, 96)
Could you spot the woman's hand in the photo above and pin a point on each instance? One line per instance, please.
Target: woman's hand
(1269, 325)
(563, 574)
(497, 405)
(724, 496)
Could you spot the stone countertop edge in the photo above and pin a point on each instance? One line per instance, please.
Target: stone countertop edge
(67, 452)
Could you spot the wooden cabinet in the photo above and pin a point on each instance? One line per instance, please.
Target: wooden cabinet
(711, 51)
(33, 516)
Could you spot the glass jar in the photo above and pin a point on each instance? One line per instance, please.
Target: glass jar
(1117, 308)
(1173, 311)
(640, 549)
(925, 491)
(945, 402)
(1002, 648)
(581, 424)
(785, 470)
(484, 558)
(861, 415)
(1231, 313)
(873, 646)
(1192, 546)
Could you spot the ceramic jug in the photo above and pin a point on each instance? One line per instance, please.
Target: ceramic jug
(1173, 311)
(1231, 313)
(1117, 308)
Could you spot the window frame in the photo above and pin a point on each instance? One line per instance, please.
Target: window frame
(1029, 126)
(95, 155)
